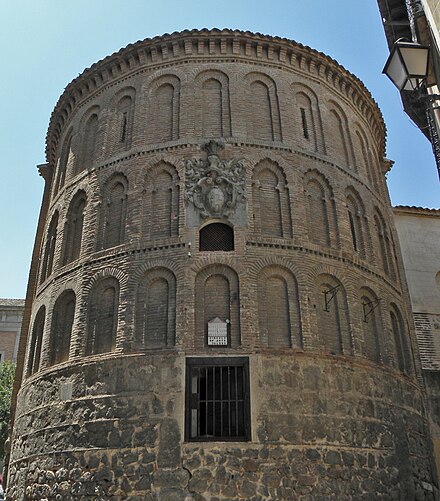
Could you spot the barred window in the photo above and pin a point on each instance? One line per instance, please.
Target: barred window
(217, 237)
(217, 399)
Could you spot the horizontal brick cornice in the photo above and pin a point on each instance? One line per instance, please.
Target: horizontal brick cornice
(221, 45)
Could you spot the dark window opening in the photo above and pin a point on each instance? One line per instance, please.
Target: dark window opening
(217, 399)
(353, 231)
(216, 237)
(304, 123)
(124, 127)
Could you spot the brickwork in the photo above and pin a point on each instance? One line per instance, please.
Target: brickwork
(306, 292)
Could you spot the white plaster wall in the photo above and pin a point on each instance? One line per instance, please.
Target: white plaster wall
(419, 236)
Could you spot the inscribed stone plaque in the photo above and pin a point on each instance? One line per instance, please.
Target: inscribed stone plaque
(217, 332)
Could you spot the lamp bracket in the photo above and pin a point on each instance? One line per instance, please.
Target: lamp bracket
(329, 296)
(369, 307)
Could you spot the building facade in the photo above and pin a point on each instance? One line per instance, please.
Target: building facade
(11, 315)
(418, 230)
(216, 306)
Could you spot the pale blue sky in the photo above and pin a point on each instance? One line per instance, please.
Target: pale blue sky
(47, 43)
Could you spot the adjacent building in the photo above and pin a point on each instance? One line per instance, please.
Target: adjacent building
(11, 315)
(419, 235)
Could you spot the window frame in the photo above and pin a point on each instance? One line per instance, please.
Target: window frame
(212, 362)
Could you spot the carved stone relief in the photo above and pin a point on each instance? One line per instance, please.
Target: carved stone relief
(214, 186)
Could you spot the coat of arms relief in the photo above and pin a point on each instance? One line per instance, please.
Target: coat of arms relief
(214, 186)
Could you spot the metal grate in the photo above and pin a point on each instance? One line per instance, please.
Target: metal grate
(217, 402)
(217, 237)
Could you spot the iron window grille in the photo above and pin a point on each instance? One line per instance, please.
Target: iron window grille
(217, 399)
(216, 237)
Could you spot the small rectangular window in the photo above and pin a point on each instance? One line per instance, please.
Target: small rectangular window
(217, 399)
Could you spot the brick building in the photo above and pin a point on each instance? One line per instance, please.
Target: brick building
(11, 315)
(216, 306)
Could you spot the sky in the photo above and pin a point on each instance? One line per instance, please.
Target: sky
(47, 43)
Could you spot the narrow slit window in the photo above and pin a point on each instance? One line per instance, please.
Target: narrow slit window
(353, 231)
(304, 123)
(124, 127)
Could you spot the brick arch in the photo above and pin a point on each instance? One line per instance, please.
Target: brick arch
(122, 110)
(217, 294)
(263, 112)
(263, 77)
(325, 270)
(255, 268)
(102, 315)
(316, 174)
(278, 308)
(109, 272)
(161, 202)
(127, 91)
(88, 139)
(164, 116)
(292, 175)
(378, 163)
(363, 156)
(155, 311)
(113, 212)
(70, 283)
(167, 264)
(48, 254)
(65, 161)
(36, 341)
(384, 244)
(73, 227)
(333, 328)
(308, 116)
(350, 190)
(271, 200)
(63, 314)
(372, 324)
(213, 101)
(213, 260)
(160, 77)
(357, 222)
(339, 142)
(154, 161)
(83, 185)
(134, 277)
(321, 209)
(402, 344)
(86, 115)
(104, 175)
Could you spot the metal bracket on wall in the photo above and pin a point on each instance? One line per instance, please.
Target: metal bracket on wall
(329, 296)
(368, 308)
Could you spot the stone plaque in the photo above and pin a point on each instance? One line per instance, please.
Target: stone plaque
(66, 389)
(217, 332)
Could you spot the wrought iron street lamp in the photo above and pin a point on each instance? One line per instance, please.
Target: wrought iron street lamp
(407, 67)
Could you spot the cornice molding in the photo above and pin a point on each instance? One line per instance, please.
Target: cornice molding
(415, 211)
(212, 44)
